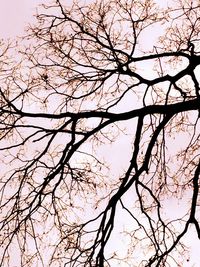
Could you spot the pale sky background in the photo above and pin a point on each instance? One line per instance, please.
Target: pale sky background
(14, 17)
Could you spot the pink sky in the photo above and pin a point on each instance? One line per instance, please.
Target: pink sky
(14, 15)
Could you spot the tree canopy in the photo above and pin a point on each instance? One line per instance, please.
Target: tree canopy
(99, 135)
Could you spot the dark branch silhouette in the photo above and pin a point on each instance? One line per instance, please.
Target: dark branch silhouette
(100, 136)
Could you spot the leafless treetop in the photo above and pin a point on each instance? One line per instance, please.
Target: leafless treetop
(99, 136)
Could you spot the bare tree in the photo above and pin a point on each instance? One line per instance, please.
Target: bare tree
(100, 136)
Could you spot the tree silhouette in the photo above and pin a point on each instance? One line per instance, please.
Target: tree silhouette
(100, 136)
